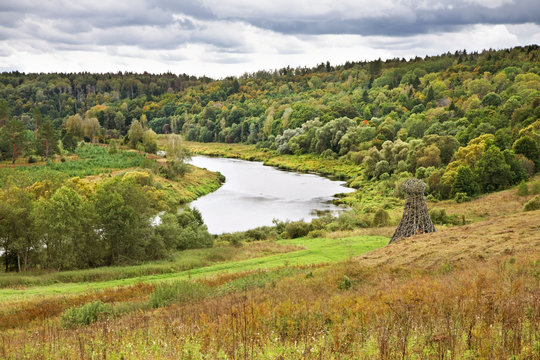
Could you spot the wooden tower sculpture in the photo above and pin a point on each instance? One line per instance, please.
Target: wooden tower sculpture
(415, 218)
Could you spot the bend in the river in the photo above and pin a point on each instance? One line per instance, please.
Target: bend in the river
(254, 194)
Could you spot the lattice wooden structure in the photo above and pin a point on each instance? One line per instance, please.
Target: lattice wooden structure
(415, 218)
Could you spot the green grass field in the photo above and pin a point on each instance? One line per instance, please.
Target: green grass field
(317, 251)
(87, 160)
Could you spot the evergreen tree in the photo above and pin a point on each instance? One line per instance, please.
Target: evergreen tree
(47, 141)
(13, 137)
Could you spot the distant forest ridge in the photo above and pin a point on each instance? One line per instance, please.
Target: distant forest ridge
(428, 117)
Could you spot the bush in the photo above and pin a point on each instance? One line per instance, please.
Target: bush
(535, 189)
(439, 216)
(316, 234)
(345, 284)
(234, 239)
(381, 218)
(523, 189)
(461, 197)
(175, 168)
(113, 147)
(297, 229)
(181, 291)
(533, 204)
(32, 159)
(349, 220)
(260, 233)
(84, 315)
(194, 237)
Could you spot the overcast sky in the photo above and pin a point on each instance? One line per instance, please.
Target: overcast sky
(219, 38)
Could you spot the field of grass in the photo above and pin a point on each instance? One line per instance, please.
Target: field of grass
(88, 160)
(181, 261)
(314, 251)
(463, 292)
(421, 298)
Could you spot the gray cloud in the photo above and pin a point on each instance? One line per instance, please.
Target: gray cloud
(167, 24)
(266, 34)
(450, 17)
(195, 8)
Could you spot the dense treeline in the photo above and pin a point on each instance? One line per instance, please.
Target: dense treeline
(444, 118)
(76, 224)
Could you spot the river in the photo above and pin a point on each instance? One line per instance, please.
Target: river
(254, 194)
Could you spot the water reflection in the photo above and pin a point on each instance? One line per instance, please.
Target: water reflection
(253, 195)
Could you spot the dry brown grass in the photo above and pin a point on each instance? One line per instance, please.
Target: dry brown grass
(488, 311)
(505, 236)
(487, 206)
(21, 313)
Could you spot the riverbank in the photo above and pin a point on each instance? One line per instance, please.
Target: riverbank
(255, 195)
(306, 163)
(368, 197)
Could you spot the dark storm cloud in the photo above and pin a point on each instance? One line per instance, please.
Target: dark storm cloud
(362, 18)
(451, 17)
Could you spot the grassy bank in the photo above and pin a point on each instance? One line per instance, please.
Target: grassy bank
(340, 169)
(181, 261)
(315, 251)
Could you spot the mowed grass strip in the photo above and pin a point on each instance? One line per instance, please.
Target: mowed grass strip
(317, 251)
(181, 261)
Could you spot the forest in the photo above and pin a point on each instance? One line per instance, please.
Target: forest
(447, 119)
(465, 123)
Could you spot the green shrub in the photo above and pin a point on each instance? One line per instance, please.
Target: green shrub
(381, 218)
(318, 233)
(461, 197)
(439, 216)
(84, 315)
(322, 221)
(349, 220)
(523, 189)
(297, 229)
(234, 239)
(535, 189)
(181, 291)
(533, 204)
(113, 147)
(32, 159)
(260, 233)
(345, 284)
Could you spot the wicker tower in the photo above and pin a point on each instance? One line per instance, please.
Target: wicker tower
(415, 218)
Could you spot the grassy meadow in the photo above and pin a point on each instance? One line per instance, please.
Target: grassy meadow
(191, 264)
(367, 307)
(94, 163)
(467, 292)
(464, 292)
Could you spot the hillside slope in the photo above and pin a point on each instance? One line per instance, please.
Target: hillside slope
(489, 240)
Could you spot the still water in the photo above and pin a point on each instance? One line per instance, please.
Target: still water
(253, 195)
